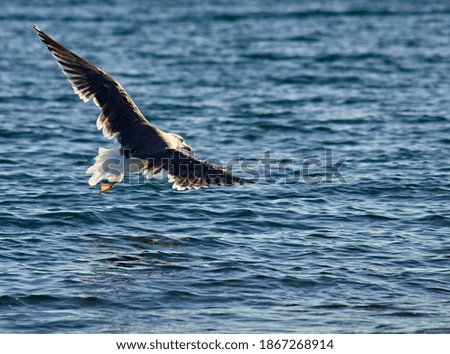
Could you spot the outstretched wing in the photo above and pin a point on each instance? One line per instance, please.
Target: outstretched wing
(187, 172)
(120, 117)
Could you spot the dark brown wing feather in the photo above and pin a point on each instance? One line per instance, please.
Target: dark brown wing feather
(120, 117)
(187, 172)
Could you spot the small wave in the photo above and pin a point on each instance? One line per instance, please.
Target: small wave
(435, 220)
(50, 300)
(180, 294)
(233, 17)
(8, 301)
(405, 314)
(298, 282)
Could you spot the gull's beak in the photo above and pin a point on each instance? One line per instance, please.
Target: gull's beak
(187, 147)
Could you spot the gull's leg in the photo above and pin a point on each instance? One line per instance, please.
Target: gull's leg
(106, 187)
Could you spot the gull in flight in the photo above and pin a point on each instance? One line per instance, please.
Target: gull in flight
(142, 147)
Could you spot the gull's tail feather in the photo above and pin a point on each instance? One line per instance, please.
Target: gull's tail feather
(109, 165)
(112, 165)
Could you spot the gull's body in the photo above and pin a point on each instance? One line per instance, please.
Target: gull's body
(142, 146)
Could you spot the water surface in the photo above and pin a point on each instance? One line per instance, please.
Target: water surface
(368, 80)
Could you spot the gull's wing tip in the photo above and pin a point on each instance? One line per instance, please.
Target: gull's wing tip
(44, 36)
(41, 33)
(36, 28)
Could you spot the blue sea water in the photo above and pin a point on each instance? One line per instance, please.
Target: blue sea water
(366, 80)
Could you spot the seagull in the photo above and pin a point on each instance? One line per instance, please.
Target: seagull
(141, 147)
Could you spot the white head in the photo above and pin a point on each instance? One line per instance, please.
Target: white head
(180, 143)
